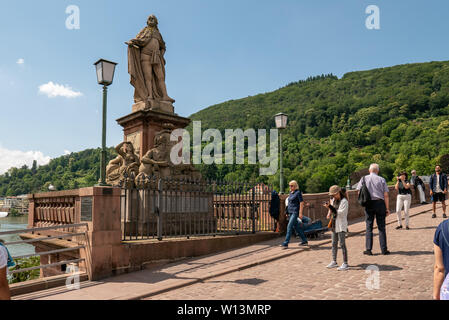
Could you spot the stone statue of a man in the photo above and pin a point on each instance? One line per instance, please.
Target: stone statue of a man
(146, 66)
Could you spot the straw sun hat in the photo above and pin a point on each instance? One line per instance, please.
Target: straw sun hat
(334, 190)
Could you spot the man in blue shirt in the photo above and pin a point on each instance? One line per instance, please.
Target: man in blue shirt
(294, 210)
(377, 207)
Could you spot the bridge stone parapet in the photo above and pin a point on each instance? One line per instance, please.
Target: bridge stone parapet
(107, 254)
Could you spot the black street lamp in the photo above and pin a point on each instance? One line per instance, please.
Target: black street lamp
(105, 76)
(281, 123)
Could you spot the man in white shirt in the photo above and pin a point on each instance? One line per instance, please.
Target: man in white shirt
(4, 286)
(377, 208)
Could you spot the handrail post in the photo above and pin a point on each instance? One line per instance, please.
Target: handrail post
(158, 209)
(253, 210)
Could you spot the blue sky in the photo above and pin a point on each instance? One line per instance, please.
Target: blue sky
(216, 51)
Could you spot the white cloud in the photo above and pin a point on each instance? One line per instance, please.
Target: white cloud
(17, 158)
(66, 152)
(21, 61)
(53, 90)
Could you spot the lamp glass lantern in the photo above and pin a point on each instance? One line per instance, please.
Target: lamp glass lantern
(281, 120)
(105, 71)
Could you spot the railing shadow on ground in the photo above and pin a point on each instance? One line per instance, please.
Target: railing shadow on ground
(412, 253)
(422, 228)
(250, 281)
(382, 267)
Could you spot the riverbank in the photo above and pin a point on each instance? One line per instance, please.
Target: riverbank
(11, 223)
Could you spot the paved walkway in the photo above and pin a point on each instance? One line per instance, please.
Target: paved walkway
(265, 271)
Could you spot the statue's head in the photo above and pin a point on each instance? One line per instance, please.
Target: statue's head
(128, 147)
(152, 21)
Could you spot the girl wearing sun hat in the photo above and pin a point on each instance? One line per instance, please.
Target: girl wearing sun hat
(338, 211)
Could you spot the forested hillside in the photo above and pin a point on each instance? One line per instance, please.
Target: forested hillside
(396, 116)
(76, 170)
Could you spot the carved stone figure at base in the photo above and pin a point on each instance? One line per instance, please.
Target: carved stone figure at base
(157, 163)
(124, 167)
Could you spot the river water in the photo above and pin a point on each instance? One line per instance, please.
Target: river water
(15, 223)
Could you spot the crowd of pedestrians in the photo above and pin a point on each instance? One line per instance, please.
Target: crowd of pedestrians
(376, 208)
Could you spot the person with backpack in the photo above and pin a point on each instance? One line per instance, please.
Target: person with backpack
(441, 266)
(373, 195)
(338, 211)
(5, 262)
(403, 200)
(275, 207)
(420, 187)
(438, 190)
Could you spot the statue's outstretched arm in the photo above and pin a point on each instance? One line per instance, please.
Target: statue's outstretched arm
(147, 159)
(119, 148)
(116, 160)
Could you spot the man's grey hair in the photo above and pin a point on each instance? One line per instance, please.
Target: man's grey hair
(413, 171)
(374, 167)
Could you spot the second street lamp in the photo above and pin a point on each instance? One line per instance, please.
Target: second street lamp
(105, 75)
(281, 123)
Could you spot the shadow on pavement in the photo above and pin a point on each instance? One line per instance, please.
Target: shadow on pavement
(423, 228)
(252, 281)
(381, 267)
(412, 253)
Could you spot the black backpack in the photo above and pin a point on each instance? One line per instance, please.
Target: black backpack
(274, 205)
(364, 195)
(420, 182)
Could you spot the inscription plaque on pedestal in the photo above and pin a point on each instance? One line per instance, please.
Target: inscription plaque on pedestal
(86, 208)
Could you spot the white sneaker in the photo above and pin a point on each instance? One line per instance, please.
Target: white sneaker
(331, 265)
(343, 267)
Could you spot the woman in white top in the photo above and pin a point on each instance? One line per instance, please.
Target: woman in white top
(338, 211)
(4, 286)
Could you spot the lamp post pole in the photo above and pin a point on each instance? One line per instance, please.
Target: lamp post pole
(103, 140)
(105, 74)
(348, 184)
(281, 123)
(281, 173)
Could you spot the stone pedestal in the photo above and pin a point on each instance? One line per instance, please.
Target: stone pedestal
(154, 105)
(140, 127)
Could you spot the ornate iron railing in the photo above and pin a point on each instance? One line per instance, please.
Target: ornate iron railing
(163, 208)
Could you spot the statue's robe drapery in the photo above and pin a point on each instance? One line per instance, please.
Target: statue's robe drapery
(135, 67)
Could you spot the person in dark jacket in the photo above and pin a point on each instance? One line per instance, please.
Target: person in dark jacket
(438, 190)
(417, 182)
(295, 210)
(274, 205)
(275, 208)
